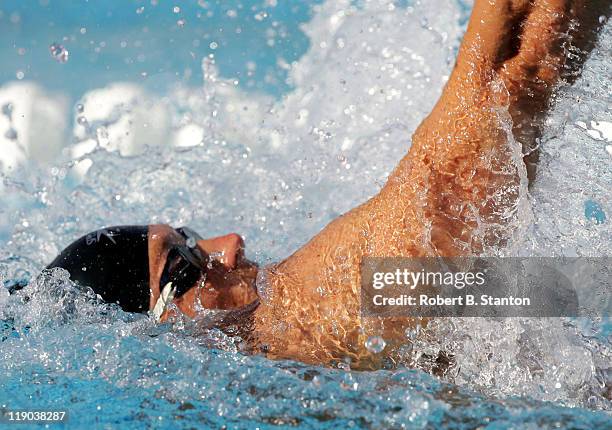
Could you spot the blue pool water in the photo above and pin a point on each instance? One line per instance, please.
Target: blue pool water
(270, 131)
(149, 42)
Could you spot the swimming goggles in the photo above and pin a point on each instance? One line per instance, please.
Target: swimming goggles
(185, 266)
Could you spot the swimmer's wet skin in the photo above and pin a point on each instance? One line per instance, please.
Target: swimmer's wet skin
(457, 192)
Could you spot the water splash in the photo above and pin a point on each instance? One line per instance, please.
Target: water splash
(275, 171)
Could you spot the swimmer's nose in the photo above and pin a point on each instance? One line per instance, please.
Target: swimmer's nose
(226, 249)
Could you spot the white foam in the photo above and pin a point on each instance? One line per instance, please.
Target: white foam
(121, 117)
(32, 124)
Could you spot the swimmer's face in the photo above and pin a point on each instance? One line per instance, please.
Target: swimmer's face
(230, 277)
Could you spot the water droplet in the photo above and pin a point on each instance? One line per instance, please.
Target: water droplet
(375, 344)
(602, 19)
(15, 18)
(7, 110)
(412, 332)
(58, 52)
(81, 120)
(20, 75)
(11, 134)
(102, 135)
(176, 9)
(213, 45)
(80, 108)
(260, 16)
(140, 10)
(218, 255)
(180, 23)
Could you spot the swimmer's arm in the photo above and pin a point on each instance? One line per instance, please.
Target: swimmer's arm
(462, 168)
(464, 173)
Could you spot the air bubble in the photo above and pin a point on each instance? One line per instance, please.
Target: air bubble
(375, 344)
(213, 45)
(176, 9)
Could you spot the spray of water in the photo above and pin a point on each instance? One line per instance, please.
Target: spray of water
(277, 171)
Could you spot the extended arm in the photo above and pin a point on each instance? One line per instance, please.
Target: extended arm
(457, 192)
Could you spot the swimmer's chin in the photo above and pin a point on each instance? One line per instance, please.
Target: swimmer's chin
(240, 289)
(223, 290)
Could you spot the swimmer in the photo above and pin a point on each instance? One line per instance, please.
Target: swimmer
(455, 193)
(144, 268)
